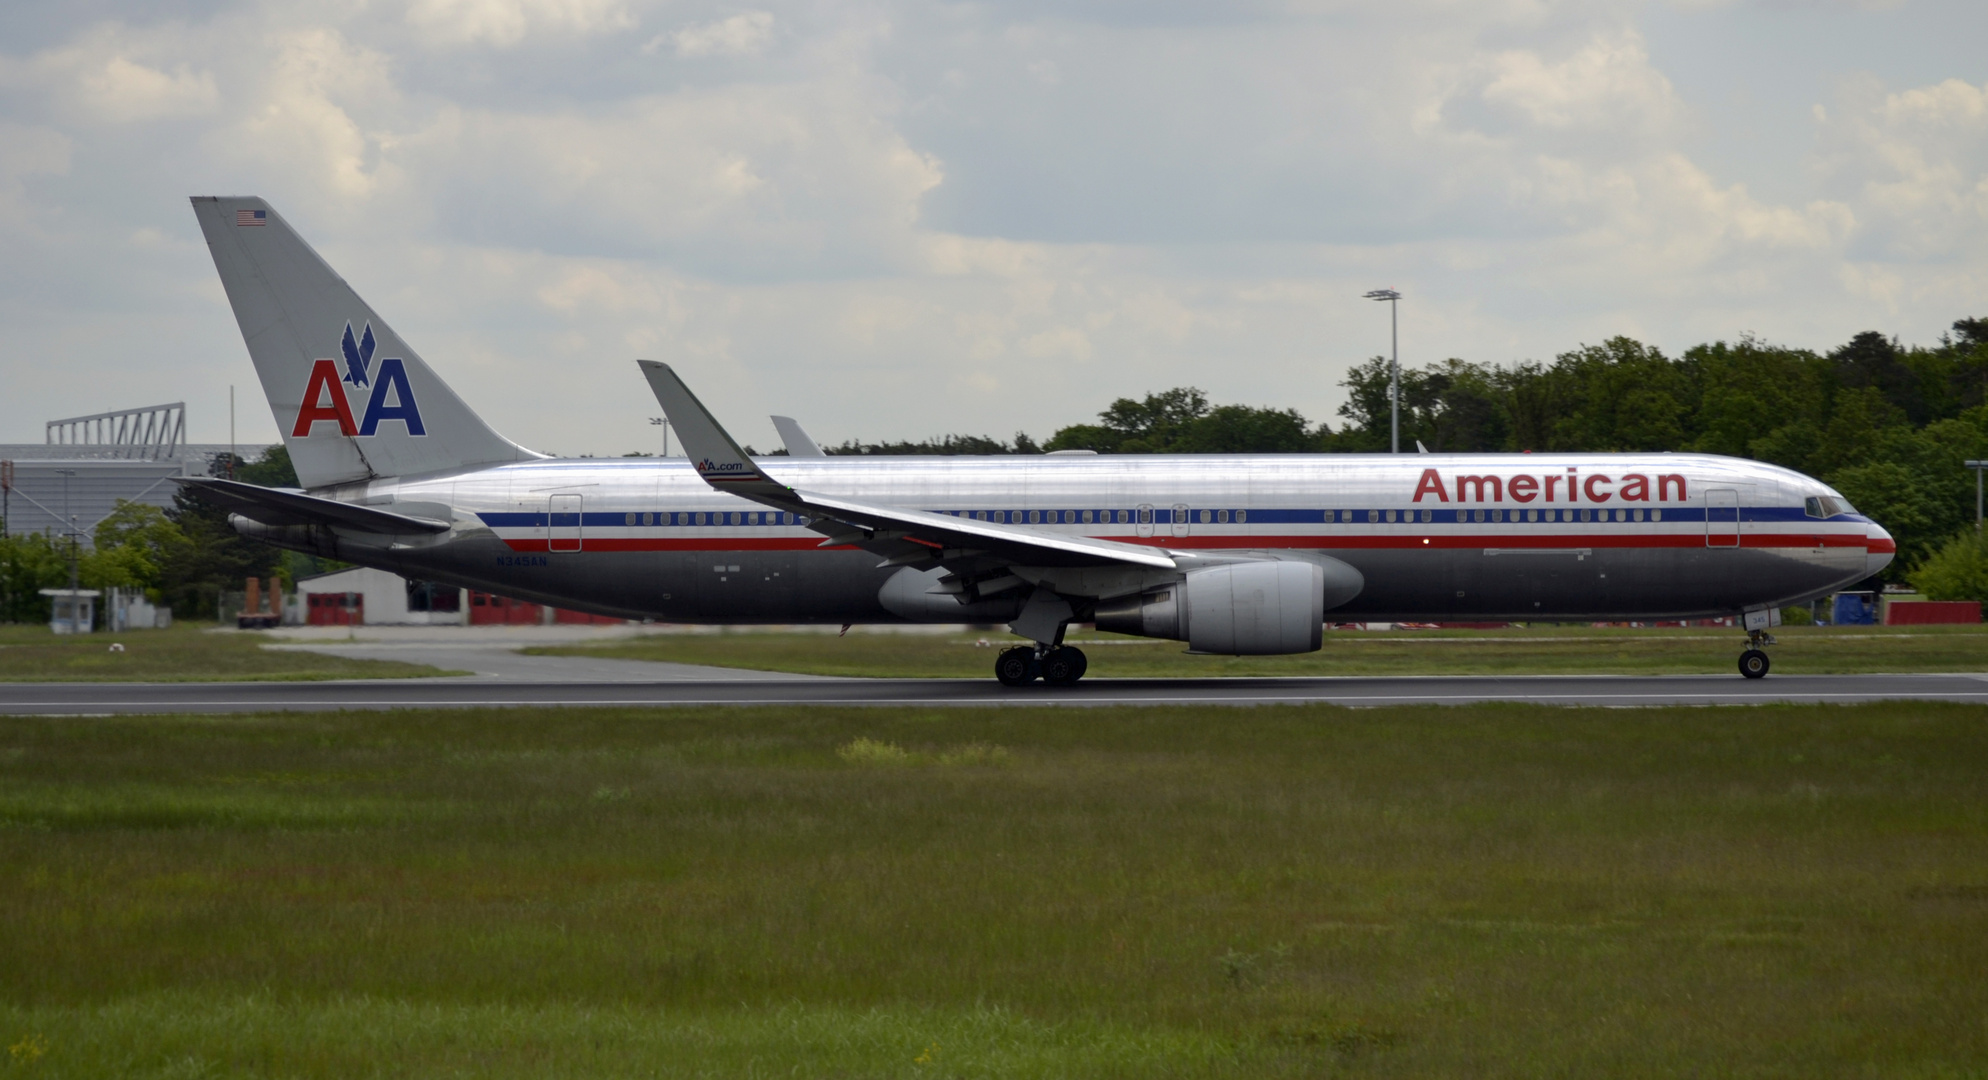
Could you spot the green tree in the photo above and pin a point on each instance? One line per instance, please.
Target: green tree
(1890, 494)
(938, 445)
(28, 564)
(212, 557)
(1240, 429)
(272, 469)
(1620, 395)
(1180, 421)
(1958, 570)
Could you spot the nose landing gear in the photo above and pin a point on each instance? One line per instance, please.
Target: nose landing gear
(1753, 662)
(1059, 665)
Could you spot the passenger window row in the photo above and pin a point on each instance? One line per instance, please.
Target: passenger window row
(1494, 515)
(736, 517)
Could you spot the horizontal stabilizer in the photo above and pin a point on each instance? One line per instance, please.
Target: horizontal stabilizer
(274, 506)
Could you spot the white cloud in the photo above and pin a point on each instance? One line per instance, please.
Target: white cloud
(1606, 85)
(104, 77)
(763, 179)
(506, 23)
(1916, 161)
(299, 123)
(740, 35)
(25, 151)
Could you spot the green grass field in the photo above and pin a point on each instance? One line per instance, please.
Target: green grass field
(1488, 891)
(1544, 650)
(185, 653)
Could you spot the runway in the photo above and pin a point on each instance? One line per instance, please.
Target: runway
(475, 692)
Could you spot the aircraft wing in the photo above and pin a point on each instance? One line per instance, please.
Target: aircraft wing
(904, 536)
(275, 506)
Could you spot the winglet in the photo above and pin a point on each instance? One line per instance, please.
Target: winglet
(717, 457)
(799, 443)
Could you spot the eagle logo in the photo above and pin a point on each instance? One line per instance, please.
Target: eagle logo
(358, 356)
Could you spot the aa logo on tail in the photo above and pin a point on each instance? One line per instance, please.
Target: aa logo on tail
(324, 394)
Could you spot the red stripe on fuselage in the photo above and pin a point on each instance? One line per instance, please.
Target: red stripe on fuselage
(1431, 541)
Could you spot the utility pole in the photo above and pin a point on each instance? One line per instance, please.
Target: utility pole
(73, 583)
(1977, 466)
(1393, 299)
(6, 505)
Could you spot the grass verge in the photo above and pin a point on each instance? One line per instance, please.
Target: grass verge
(1493, 890)
(185, 653)
(1540, 650)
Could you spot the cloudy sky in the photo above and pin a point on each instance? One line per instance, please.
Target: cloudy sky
(897, 219)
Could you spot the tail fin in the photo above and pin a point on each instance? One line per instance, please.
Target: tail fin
(352, 399)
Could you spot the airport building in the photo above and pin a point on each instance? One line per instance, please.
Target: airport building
(85, 464)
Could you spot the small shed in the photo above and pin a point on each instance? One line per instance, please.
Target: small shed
(75, 610)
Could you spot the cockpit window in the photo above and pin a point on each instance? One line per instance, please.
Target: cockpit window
(1824, 506)
(1813, 506)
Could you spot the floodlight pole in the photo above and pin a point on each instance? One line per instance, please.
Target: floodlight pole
(664, 421)
(1393, 299)
(73, 583)
(1977, 466)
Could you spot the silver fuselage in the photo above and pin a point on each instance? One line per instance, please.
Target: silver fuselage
(646, 538)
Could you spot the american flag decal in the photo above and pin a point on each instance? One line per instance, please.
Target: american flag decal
(251, 217)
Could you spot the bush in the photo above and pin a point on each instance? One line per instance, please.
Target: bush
(1958, 571)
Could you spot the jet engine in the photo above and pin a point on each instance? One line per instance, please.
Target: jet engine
(1241, 609)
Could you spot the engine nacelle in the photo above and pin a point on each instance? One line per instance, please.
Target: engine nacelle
(908, 595)
(1242, 609)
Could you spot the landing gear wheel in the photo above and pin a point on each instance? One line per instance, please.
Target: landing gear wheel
(1017, 666)
(1064, 666)
(1753, 664)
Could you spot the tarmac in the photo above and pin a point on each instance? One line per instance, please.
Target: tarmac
(672, 687)
(497, 675)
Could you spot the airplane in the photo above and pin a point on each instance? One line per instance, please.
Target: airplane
(1232, 554)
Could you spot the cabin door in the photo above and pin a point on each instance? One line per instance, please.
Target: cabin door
(1722, 523)
(563, 521)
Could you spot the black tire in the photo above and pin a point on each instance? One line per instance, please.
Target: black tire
(1754, 664)
(1016, 666)
(1064, 666)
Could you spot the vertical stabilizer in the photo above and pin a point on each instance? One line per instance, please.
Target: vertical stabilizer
(798, 442)
(352, 400)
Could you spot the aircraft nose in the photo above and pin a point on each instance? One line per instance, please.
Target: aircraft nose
(1878, 548)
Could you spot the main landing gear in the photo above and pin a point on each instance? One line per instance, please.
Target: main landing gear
(1059, 665)
(1753, 662)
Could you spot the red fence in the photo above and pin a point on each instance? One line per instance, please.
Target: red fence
(1931, 612)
